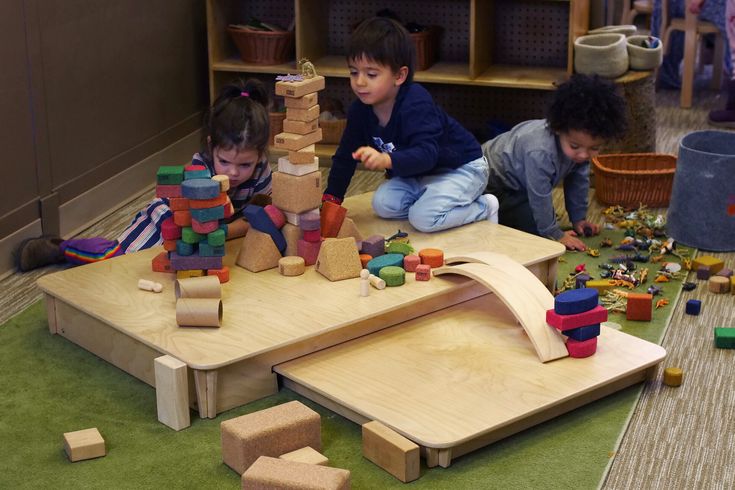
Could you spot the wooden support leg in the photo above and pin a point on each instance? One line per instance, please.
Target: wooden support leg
(445, 457)
(432, 457)
(211, 394)
(51, 313)
(200, 380)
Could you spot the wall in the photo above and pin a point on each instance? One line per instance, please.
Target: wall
(90, 91)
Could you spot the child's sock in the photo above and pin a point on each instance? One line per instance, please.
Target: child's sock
(492, 207)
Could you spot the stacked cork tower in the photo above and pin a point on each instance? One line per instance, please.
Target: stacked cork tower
(194, 237)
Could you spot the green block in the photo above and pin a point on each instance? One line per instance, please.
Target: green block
(170, 174)
(188, 235)
(392, 275)
(399, 248)
(216, 238)
(725, 338)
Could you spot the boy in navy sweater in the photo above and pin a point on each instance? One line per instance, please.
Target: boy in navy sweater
(435, 168)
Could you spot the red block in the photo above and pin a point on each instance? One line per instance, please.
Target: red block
(222, 274)
(178, 203)
(170, 230)
(309, 251)
(312, 235)
(640, 307)
(169, 245)
(182, 218)
(168, 190)
(364, 259)
(161, 263)
(209, 203)
(423, 272)
(332, 216)
(229, 209)
(598, 314)
(580, 349)
(204, 227)
(276, 215)
(410, 262)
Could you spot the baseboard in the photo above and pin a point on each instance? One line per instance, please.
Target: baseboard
(105, 198)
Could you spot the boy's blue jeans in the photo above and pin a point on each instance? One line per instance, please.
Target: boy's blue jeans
(437, 201)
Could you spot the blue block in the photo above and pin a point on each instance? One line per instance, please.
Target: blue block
(583, 333)
(203, 215)
(693, 307)
(259, 220)
(207, 250)
(575, 301)
(200, 189)
(183, 248)
(193, 262)
(374, 265)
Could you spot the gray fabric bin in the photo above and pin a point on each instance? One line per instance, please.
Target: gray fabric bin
(702, 209)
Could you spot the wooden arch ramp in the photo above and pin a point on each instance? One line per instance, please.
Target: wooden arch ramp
(521, 291)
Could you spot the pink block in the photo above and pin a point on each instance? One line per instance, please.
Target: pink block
(309, 251)
(580, 349)
(423, 272)
(170, 230)
(276, 215)
(163, 190)
(204, 227)
(410, 262)
(598, 314)
(312, 235)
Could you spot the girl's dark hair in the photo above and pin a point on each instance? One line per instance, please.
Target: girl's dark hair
(590, 104)
(238, 118)
(384, 41)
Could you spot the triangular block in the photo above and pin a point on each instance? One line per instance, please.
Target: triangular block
(338, 259)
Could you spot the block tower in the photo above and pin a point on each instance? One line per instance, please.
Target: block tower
(578, 315)
(194, 237)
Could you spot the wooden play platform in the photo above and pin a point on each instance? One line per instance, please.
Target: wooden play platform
(446, 364)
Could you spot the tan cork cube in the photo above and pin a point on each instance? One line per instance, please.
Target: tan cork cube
(303, 102)
(299, 89)
(293, 142)
(306, 455)
(270, 432)
(280, 474)
(391, 451)
(305, 115)
(292, 234)
(84, 444)
(297, 193)
(300, 127)
(302, 156)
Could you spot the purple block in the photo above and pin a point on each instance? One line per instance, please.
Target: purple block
(724, 272)
(581, 281)
(703, 272)
(193, 262)
(373, 245)
(309, 221)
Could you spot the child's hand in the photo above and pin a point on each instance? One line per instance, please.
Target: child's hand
(695, 6)
(586, 228)
(571, 241)
(372, 158)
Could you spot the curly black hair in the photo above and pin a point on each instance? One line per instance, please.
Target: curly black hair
(589, 104)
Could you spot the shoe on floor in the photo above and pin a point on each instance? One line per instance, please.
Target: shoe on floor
(723, 118)
(492, 207)
(33, 253)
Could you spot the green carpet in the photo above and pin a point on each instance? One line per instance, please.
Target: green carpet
(52, 386)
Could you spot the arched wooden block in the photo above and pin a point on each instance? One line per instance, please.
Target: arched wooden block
(521, 291)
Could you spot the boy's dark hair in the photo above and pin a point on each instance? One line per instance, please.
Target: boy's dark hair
(384, 41)
(590, 104)
(238, 118)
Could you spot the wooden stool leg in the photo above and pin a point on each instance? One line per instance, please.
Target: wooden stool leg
(690, 51)
(206, 388)
(717, 62)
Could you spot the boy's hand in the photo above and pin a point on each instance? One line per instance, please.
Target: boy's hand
(571, 241)
(372, 159)
(695, 6)
(586, 228)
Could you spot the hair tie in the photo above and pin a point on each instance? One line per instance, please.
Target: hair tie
(244, 94)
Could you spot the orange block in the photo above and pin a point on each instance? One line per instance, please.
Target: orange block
(364, 259)
(220, 200)
(182, 218)
(222, 274)
(161, 263)
(639, 307)
(433, 257)
(169, 245)
(332, 216)
(178, 203)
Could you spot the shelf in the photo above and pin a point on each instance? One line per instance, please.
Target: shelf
(529, 77)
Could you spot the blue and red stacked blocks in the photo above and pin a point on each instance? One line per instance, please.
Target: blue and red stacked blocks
(578, 315)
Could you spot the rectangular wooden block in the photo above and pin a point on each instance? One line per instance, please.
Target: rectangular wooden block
(300, 127)
(280, 474)
(303, 156)
(303, 102)
(172, 392)
(299, 89)
(297, 194)
(306, 115)
(391, 451)
(306, 455)
(84, 444)
(291, 141)
(640, 307)
(270, 432)
(289, 168)
(598, 314)
(713, 264)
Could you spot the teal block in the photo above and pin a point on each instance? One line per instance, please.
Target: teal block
(203, 215)
(207, 250)
(387, 260)
(216, 238)
(197, 174)
(170, 174)
(188, 235)
(183, 248)
(725, 338)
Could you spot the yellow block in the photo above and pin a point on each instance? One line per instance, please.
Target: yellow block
(190, 273)
(600, 284)
(712, 263)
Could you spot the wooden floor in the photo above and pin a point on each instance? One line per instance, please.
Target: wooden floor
(677, 438)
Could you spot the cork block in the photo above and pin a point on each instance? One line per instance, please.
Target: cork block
(292, 235)
(223, 181)
(291, 266)
(300, 88)
(713, 264)
(301, 169)
(673, 376)
(172, 392)
(204, 227)
(732, 284)
(280, 474)
(385, 260)
(349, 228)
(332, 216)
(178, 203)
(303, 156)
(338, 259)
(270, 432)
(84, 444)
(410, 262)
(200, 189)
(640, 307)
(300, 127)
(258, 252)
(182, 218)
(303, 102)
(293, 141)
(222, 274)
(297, 194)
(170, 230)
(391, 451)
(718, 284)
(182, 262)
(303, 115)
(306, 455)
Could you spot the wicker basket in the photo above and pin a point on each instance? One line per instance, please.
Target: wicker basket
(332, 130)
(426, 43)
(632, 179)
(263, 47)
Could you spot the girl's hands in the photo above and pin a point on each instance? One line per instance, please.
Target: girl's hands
(372, 159)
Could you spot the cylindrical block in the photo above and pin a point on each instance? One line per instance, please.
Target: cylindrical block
(291, 266)
(702, 209)
(199, 312)
(673, 376)
(719, 284)
(198, 287)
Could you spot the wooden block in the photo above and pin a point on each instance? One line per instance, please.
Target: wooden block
(270, 432)
(261, 221)
(601, 285)
(576, 301)
(673, 376)
(300, 126)
(291, 266)
(289, 168)
(725, 272)
(308, 250)
(725, 338)
(391, 451)
(349, 228)
(303, 102)
(640, 307)
(200, 188)
(693, 307)
(292, 234)
(331, 218)
(304, 115)
(297, 194)
(292, 141)
(306, 455)
(224, 182)
(303, 156)
(84, 444)
(161, 263)
(566, 322)
(703, 272)
(432, 257)
(338, 259)
(713, 264)
(300, 88)
(258, 252)
(281, 474)
(718, 284)
(172, 392)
